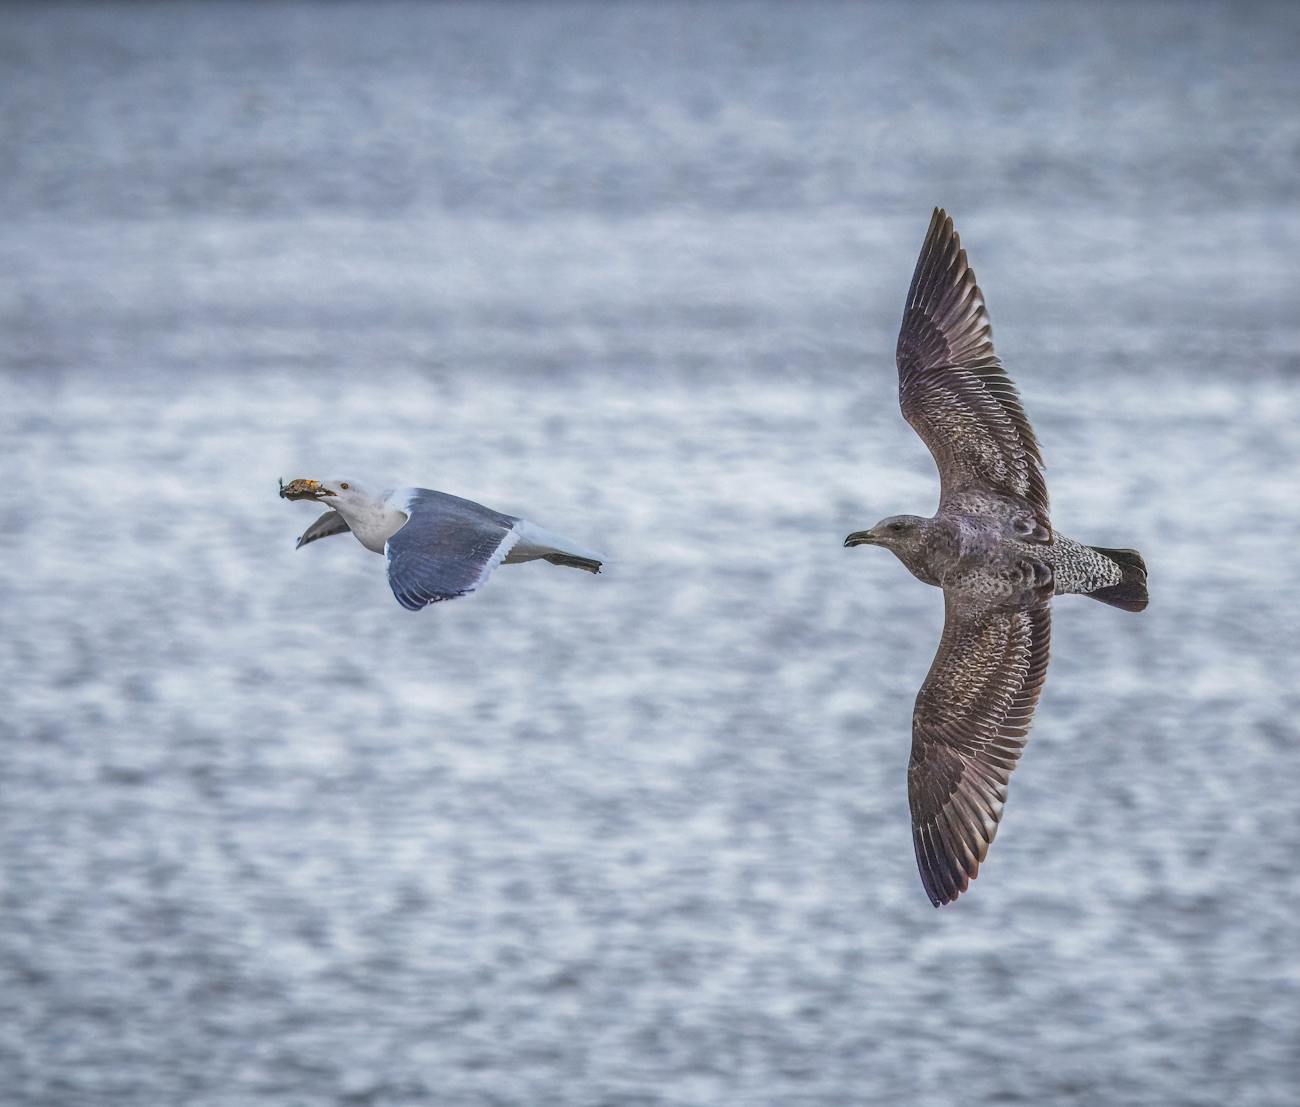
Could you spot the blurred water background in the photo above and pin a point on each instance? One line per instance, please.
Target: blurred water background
(634, 270)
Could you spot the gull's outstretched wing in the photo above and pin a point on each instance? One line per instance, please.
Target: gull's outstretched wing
(954, 391)
(447, 547)
(329, 523)
(969, 727)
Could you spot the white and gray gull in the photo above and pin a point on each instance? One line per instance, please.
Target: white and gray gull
(992, 550)
(438, 546)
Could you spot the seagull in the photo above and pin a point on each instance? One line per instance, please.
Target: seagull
(438, 546)
(992, 550)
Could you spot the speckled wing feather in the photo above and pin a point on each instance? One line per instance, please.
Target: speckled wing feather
(954, 391)
(330, 523)
(969, 727)
(448, 547)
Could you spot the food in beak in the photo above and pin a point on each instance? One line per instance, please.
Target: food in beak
(303, 489)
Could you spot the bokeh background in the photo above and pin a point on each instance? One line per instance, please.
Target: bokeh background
(635, 271)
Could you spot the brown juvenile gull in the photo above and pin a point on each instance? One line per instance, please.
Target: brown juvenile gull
(438, 546)
(992, 550)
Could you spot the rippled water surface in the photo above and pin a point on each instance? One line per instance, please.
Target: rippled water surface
(633, 271)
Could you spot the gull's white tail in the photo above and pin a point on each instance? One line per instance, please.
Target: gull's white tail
(537, 544)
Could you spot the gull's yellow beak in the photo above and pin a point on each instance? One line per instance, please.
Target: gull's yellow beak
(303, 489)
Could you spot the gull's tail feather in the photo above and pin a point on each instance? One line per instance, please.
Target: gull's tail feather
(1130, 594)
(537, 544)
(589, 564)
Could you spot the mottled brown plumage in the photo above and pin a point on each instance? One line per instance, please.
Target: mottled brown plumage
(992, 550)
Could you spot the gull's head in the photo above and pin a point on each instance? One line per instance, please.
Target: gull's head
(899, 533)
(333, 493)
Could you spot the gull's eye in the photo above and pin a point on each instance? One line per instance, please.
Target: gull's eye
(892, 526)
(344, 484)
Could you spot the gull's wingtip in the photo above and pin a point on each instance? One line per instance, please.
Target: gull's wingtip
(941, 225)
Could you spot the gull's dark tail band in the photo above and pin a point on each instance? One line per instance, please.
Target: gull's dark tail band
(590, 564)
(1130, 594)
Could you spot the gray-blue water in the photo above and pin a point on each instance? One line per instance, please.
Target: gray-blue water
(634, 271)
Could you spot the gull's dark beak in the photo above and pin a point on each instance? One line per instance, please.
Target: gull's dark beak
(303, 489)
(860, 538)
